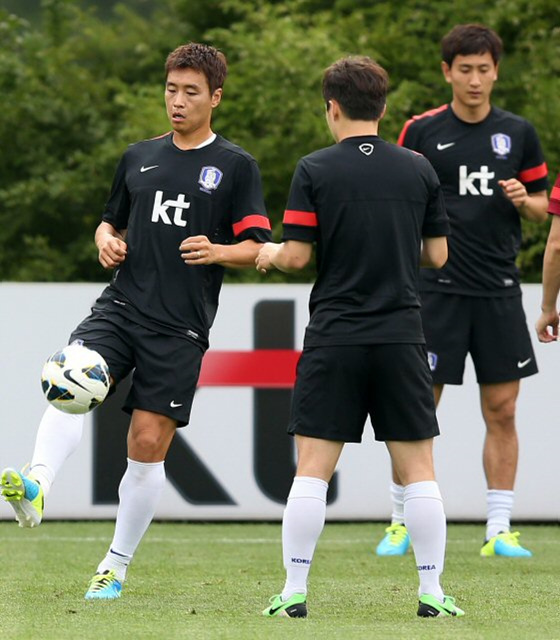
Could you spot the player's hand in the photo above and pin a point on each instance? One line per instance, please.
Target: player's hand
(547, 326)
(112, 251)
(264, 260)
(198, 250)
(514, 191)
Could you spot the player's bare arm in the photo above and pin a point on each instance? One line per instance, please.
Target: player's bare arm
(111, 245)
(198, 250)
(547, 324)
(531, 206)
(288, 256)
(434, 252)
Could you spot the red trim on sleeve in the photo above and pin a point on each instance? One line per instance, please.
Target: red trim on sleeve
(536, 173)
(426, 114)
(554, 204)
(254, 220)
(302, 218)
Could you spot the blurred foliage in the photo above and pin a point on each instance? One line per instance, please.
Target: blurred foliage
(77, 89)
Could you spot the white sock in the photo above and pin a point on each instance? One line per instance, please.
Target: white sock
(139, 493)
(58, 436)
(303, 521)
(425, 520)
(397, 500)
(499, 507)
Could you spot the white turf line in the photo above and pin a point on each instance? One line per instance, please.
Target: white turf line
(274, 541)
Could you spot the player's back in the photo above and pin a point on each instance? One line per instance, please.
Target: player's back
(373, 202)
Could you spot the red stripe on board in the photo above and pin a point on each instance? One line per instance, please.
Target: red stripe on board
(249, 222)
(303, 218)
(260, 369)
(534, 174)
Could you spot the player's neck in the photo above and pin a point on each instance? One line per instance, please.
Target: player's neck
(353, 128)
(471, 114)
(192, 139)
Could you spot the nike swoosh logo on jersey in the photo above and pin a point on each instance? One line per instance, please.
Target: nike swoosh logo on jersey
(441, 147)
(520, 364)
(174, 405)
(154, 166)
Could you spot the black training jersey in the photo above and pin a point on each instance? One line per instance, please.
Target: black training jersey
(367, 204)
(485, 226)
(162, 195)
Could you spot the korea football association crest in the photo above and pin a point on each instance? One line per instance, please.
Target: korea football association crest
(432, 361)
(210, 178)
(501, 144)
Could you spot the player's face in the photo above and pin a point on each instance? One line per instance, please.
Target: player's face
(472, 79)
(188, 101)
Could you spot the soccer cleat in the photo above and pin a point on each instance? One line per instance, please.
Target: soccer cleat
(505, 544)
(294, 607)
(395, 542)
(25, 495)
(430, 607)
(104, 586)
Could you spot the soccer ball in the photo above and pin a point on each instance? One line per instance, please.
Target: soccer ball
(75, 379)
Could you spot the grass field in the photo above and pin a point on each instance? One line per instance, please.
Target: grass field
(211, 581)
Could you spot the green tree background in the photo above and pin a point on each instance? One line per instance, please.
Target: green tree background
(79, 81)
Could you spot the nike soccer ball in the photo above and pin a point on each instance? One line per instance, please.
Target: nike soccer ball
(75, 379)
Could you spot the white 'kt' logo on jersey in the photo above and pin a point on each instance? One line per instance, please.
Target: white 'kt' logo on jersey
(159, 211)
(467, 180)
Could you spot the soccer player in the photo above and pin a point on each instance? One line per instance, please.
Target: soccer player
(183, 206)
(492, 173)
(547, 324)
(375, 212)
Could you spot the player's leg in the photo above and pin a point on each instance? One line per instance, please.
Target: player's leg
(501, 358)
(59, 434)
(445, 320)
(160, 399)
(149, 438)
(403, 415)
(303, 521)
(328, 409)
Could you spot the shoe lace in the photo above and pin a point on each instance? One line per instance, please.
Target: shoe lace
(397, 533)
(511, 537)
(102, 580)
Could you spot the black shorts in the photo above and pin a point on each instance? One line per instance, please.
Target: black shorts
(166, 367)
(493, 330)
(338, 387)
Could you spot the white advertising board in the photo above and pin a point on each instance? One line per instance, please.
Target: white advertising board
(234, 461)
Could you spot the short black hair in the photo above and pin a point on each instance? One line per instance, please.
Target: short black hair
(471, 39)
(200, 57)
(359, 85)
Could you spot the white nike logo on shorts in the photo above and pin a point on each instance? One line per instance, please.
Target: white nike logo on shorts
(520, 364)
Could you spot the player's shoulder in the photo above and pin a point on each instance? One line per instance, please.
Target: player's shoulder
(501, 116)
(141, 146)
(234, 150)
(425, 120)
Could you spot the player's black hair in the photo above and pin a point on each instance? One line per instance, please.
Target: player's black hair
(471, 39)
(200, 57)
(359, 85)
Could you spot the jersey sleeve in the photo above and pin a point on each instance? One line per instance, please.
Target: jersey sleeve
(554, 204)
(300, 218)
(436, 220)
(249, 217)
(533, 171)
(117, 209)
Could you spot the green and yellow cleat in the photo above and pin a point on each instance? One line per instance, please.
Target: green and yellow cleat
(395, 542)
(294, 607)
(430, 607)
(104, 586)
(25, 495)
(505, 544)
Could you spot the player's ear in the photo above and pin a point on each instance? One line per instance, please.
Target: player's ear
(383, 112)
(496, 71)
(216, 98)
(446, 70)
